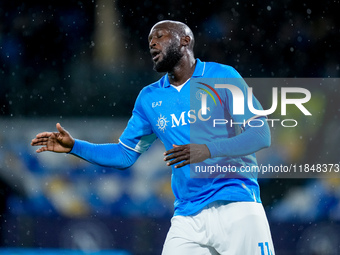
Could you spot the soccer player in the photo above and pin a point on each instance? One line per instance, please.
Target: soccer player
(214, 213)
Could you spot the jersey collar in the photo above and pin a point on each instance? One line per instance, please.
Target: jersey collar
(199, 69)
(199, 72)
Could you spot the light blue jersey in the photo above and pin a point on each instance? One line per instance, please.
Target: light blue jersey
(171, 115)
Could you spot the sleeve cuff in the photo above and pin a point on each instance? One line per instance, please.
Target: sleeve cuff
(76, 147)
(213, 150)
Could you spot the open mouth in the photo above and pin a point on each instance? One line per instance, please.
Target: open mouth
(155, 55)
(155, 58)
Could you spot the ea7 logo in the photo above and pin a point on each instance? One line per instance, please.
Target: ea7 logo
(238, 100)
(154, 104)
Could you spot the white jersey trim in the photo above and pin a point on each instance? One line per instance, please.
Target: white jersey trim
(128, 146)
(143, 144)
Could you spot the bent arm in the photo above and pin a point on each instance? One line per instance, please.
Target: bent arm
(250, 141)
(108, 155)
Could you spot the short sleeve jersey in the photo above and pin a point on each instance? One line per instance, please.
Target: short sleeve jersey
(161, 111)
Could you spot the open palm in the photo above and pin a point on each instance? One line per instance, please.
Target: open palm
(61, 141)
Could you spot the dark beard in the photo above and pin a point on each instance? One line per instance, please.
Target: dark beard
(170, 60)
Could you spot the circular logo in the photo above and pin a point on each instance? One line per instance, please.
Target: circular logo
(162, 123)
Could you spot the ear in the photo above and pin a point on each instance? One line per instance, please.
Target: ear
(185, 40)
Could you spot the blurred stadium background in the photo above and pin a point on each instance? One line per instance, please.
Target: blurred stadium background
(82, 63)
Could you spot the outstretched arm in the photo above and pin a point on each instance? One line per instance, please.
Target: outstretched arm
(61, 141)
(108, 155)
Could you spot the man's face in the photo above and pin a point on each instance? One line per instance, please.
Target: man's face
(164, 48)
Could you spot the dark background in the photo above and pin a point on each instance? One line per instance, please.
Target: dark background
(49, 67)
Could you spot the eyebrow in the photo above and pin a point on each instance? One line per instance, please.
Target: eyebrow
(157, 30)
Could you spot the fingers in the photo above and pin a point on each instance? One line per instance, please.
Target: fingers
(186, 154)
(182, 155)
(175, 149)
(184, 163)
(48, 134)
(41, 149)
(185, 159)
(60, 128)
(177, 154)
(59, 141)
(39, 141)
(44, 135)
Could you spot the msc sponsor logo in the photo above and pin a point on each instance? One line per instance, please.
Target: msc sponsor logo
(185, 118)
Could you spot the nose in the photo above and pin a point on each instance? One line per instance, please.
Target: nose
(152, 43)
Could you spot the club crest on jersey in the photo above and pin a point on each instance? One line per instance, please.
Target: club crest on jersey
(162, 123)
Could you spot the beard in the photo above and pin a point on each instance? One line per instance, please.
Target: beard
(171, 58)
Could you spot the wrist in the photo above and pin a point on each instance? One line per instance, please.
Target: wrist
(73, 146)
(207, 151)
(213, 151)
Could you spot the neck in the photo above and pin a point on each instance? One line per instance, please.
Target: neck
(183, 70)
